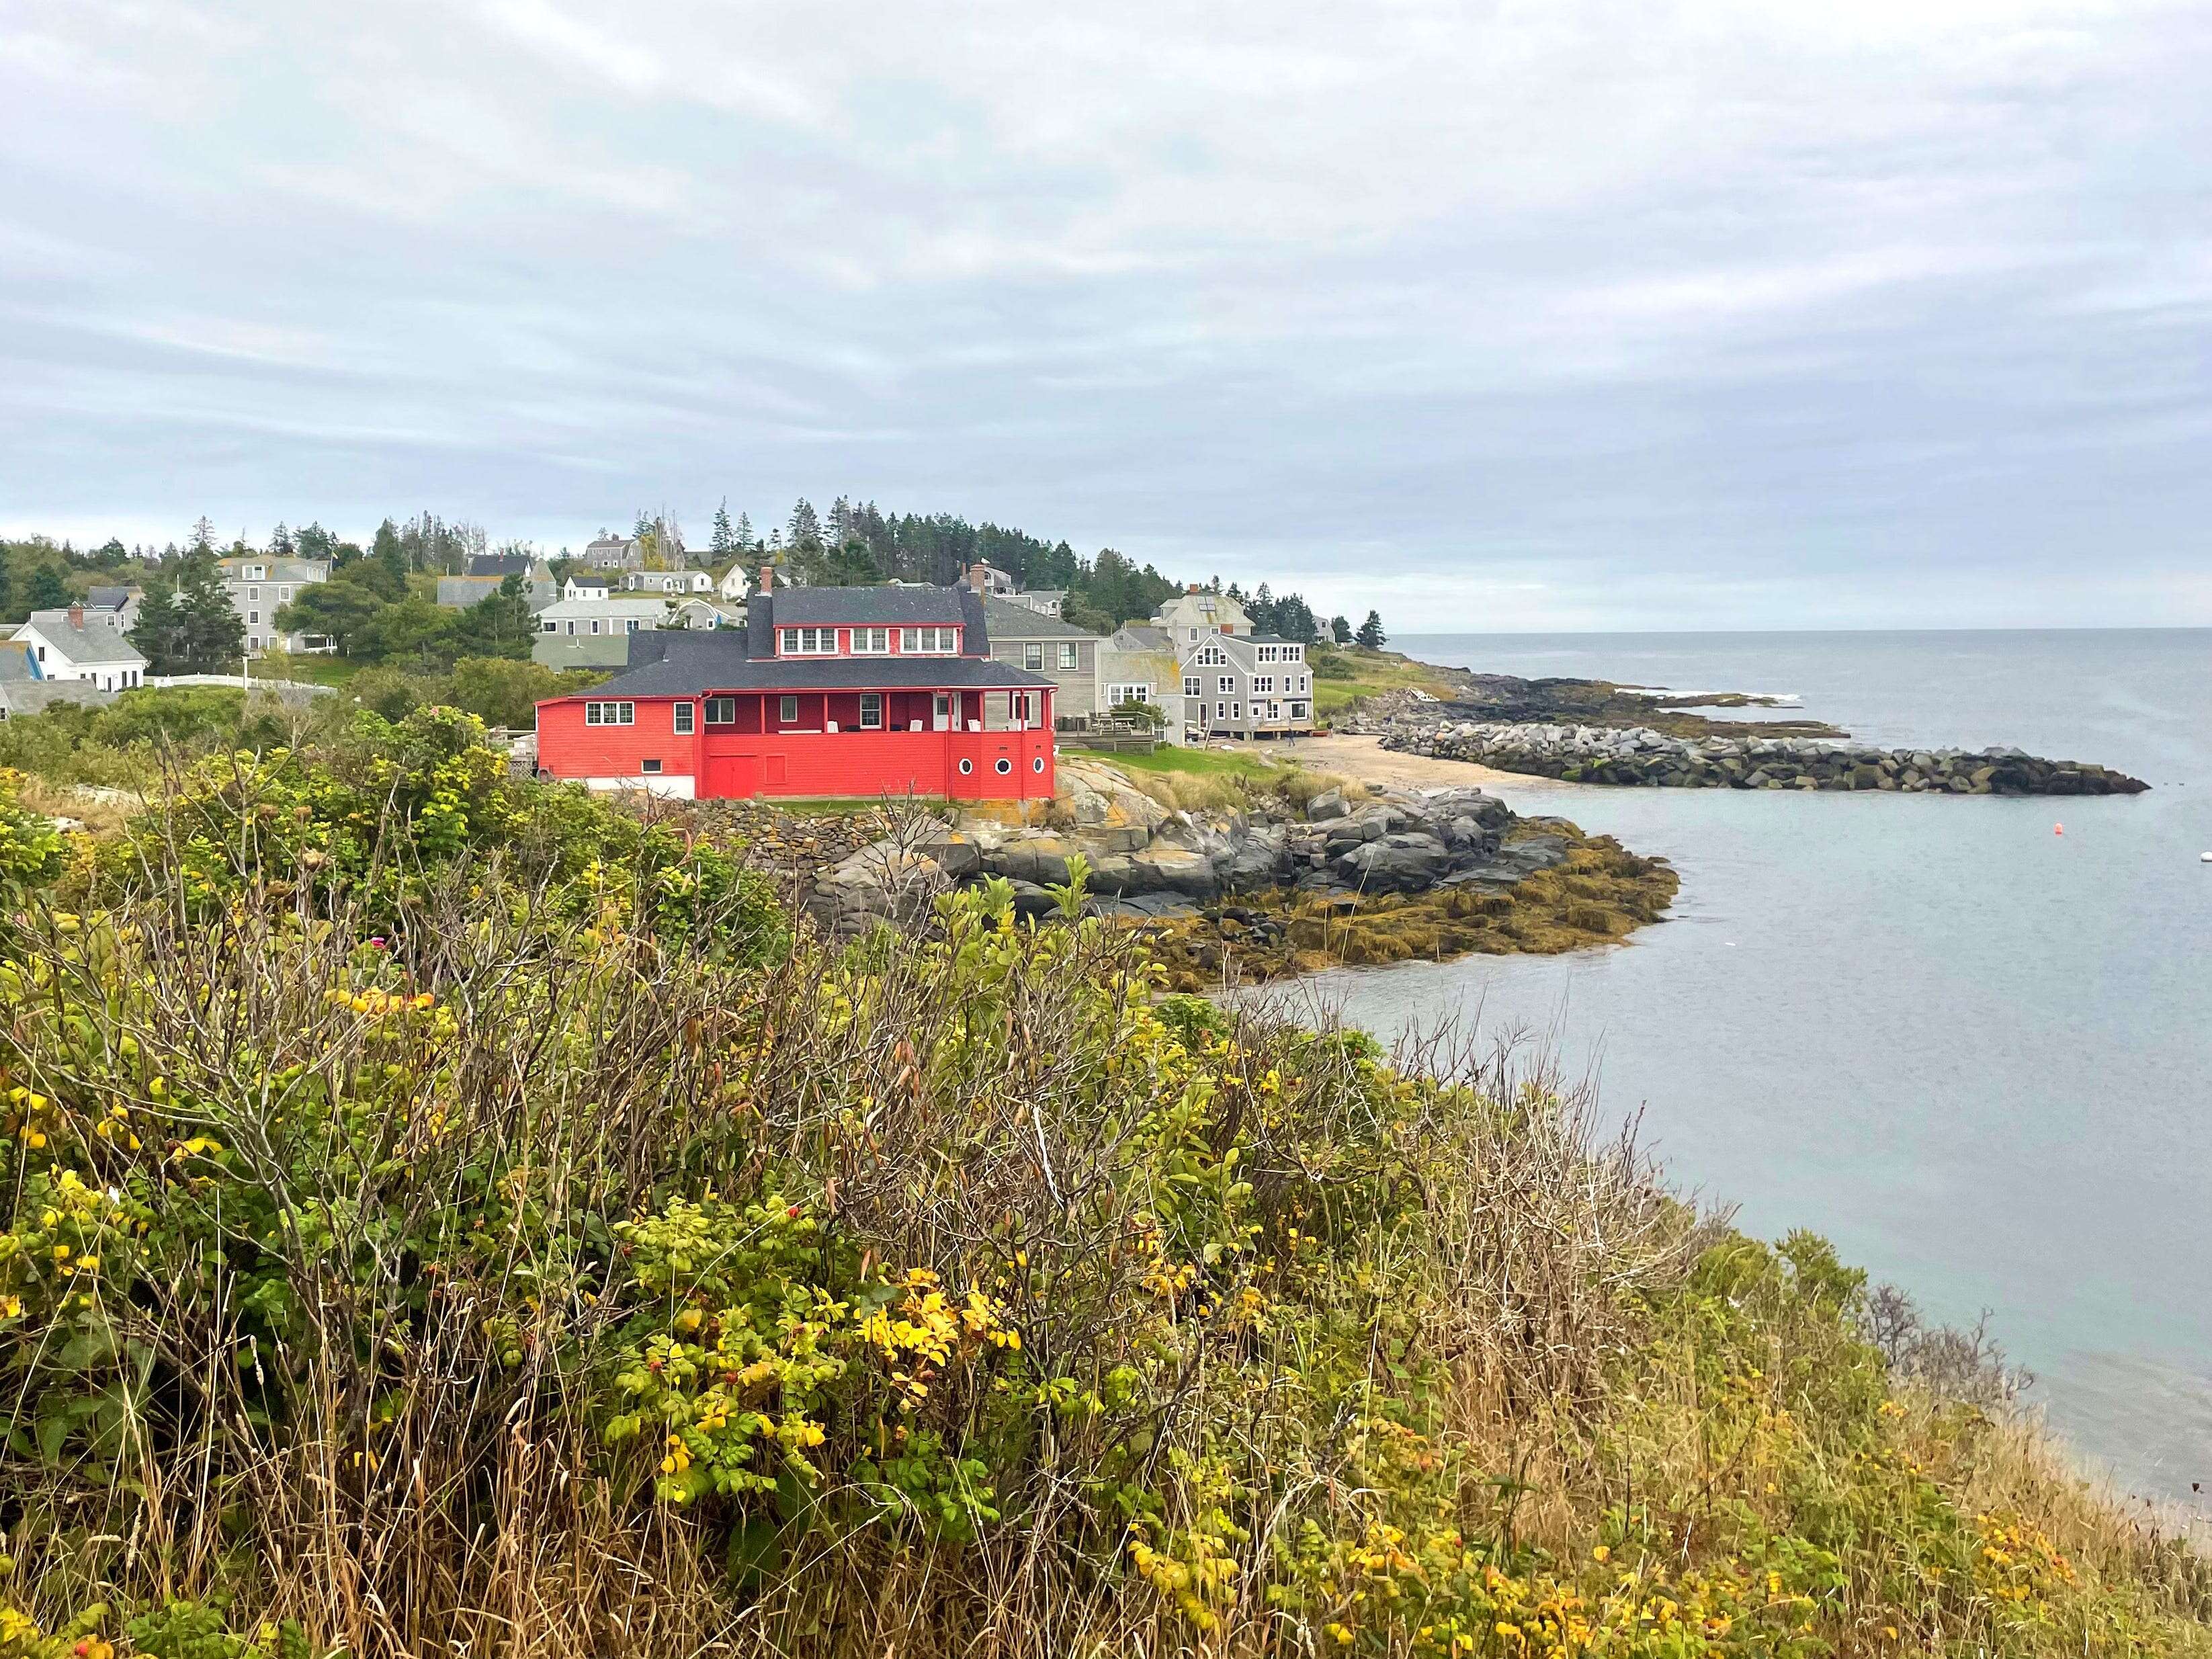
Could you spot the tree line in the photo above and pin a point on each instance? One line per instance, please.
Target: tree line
(375, 617)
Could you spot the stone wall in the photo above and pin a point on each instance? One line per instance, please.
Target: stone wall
(1597, 754)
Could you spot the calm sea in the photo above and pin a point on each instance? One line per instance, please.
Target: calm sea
(1976, 1053)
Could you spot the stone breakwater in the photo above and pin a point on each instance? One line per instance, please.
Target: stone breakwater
(1641, 756)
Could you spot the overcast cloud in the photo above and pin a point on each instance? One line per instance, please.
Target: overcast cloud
(1539, 314)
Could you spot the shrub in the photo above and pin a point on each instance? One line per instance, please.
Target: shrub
(569, 1282)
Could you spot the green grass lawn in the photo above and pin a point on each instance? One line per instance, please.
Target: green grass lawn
(1342, 676)
(313, 669)
(1193, 762)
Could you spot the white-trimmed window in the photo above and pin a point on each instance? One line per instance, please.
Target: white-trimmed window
(1137, 692)
(872, 709)
(788, 711)
(929, 642)
(609, 713)
(1263, 682)
(721, 711)
(686, 713)
(1033, 656)
(1067, 653)
(1210, 657)
(1221, 711)
(1224, 683)
(549, 627)
(871, 642)
(809, 641)
(650, 765)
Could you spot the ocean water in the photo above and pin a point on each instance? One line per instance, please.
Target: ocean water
(1974, 1052)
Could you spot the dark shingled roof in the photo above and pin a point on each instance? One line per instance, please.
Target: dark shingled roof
(900, 606)
(1011, 621)
(677, 663)
(804, 607)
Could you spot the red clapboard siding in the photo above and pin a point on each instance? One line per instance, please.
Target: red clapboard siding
(569, 749)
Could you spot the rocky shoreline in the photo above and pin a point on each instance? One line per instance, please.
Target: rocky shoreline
(1646, 757)
(1382, 876)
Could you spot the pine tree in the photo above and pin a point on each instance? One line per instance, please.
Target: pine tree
(390, 552)
(280, 541)
(1339, 630)
(154, 635)
(7, 592)
(723, 544)
(1371, 634)
(805, 532)
(48, 591)
(744, 533)
(203, 539)
(210, 632)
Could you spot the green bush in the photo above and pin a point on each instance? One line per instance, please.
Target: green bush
(420, 1230)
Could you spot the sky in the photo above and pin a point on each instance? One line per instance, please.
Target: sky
(1532, 314)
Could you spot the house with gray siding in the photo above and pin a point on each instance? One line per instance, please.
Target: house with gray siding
(1038, 644)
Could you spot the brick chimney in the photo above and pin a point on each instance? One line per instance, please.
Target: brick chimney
(767, 578)
(976, 579)
(1193, 588)
(76, 616)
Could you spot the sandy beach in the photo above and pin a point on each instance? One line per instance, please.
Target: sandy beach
(1365, 759)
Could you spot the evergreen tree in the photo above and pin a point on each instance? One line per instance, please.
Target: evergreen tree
(280, 541)
(48, 591)
(744, 533)
(203, 538)
(7, 592)
(1371, 634)
(155, 634)
(723, 544)
(805, 534)
(500, 625)
(212, 633)
(1339, 630)
(390, 552)
(314, 542)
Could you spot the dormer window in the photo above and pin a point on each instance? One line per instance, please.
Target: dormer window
(809, 641)
(929, 642)
(871, 642)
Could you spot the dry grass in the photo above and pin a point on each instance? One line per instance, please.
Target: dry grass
(1348, 1347)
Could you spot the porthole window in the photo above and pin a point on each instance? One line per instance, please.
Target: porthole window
(1036, 763)
(1005, 766)
(966, 767)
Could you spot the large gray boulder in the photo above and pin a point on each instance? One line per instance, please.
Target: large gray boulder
(1403, 863)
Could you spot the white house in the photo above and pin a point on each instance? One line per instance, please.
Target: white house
(735, 582)
(667, 582)
(77, 644)
(595, 633)
(591, 588)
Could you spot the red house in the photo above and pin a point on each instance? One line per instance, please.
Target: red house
(825, 691)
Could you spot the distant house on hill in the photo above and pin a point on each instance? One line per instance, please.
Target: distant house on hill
(615, 553)
(1197, 611)
(538, 587)
(667, 582)
(80, 645)
(260, 584)
(1046, 601)
(499, 564)
(595, 633)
